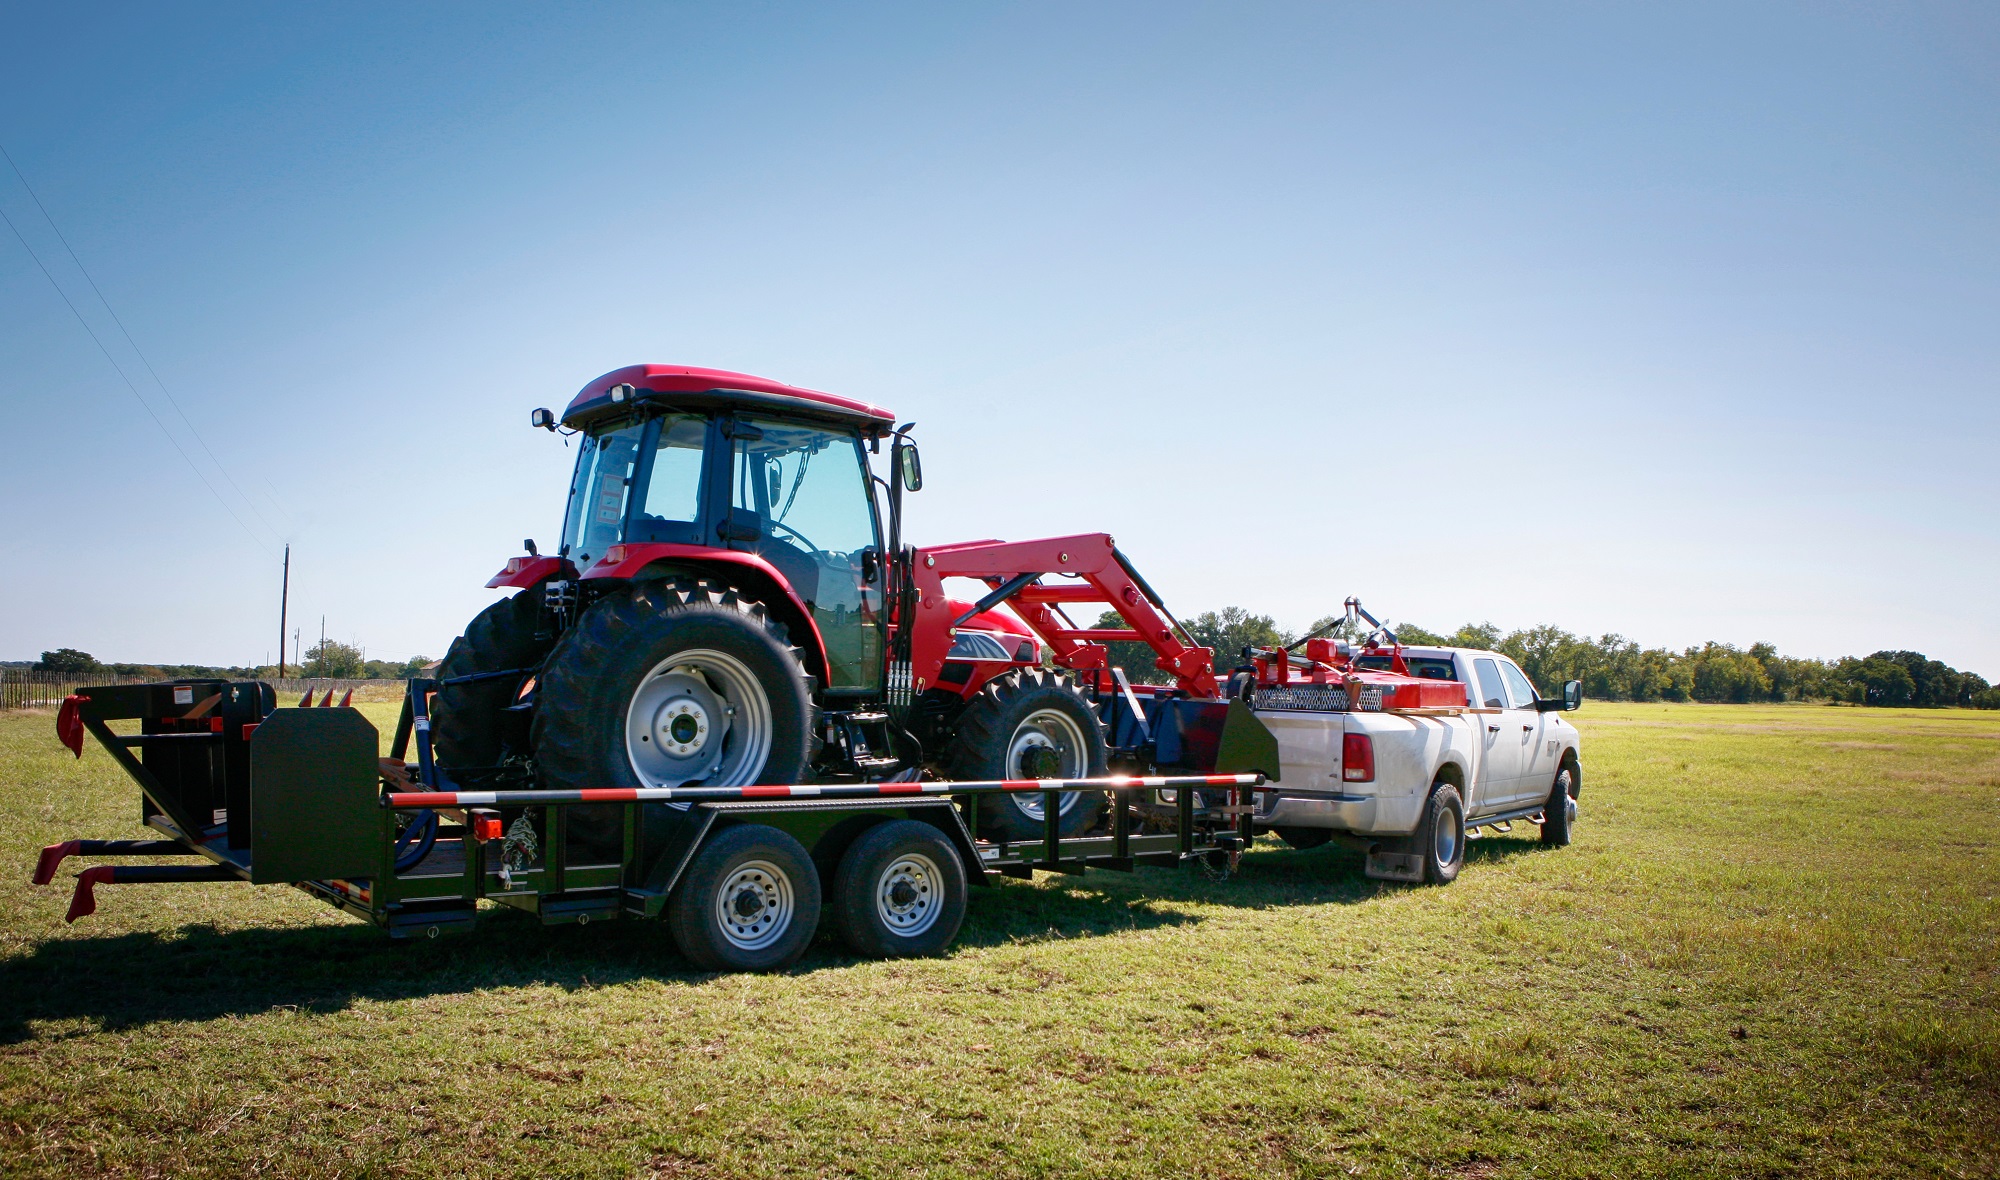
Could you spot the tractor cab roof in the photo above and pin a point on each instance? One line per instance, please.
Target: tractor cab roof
(682, 386)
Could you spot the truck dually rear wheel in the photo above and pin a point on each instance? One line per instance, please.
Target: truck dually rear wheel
(673, 683)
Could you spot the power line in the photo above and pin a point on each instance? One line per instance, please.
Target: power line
(171, 400)
(247, 531)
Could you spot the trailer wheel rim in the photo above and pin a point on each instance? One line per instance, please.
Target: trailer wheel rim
(1046, 740)
(909, 895)
(698, 716)
(754, 906)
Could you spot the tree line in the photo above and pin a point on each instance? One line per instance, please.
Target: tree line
(1615, 668)
(327, 660)
(1611, 667)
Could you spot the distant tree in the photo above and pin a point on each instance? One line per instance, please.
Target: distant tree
(330, 659)
(67, 659)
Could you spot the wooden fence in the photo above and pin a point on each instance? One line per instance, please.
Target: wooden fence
(24, 688)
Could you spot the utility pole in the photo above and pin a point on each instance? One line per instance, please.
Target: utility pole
(284, 602)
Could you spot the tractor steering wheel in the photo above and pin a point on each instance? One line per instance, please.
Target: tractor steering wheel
(805, 540)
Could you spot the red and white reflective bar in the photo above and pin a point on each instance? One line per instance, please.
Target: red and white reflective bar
(409, 799)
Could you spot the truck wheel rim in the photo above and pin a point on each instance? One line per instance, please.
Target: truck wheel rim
(698, 716)
(1569, 800)
(1046, 736)
(909, 894)
(1444, 841)
(753, 909)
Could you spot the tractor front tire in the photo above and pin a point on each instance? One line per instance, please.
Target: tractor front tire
(469, 727)
(1029, 724)
(673, 683)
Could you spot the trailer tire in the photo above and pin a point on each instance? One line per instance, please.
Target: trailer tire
(1029, 724)
(749, 902)
(1559, 812)
(900, 892)
(468, 725)
(1441, 837)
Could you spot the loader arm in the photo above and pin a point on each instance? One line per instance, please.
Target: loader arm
(1012, 569)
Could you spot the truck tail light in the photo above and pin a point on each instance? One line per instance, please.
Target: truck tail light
(1357, 758)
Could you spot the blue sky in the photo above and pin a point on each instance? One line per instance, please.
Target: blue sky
(1677, 321)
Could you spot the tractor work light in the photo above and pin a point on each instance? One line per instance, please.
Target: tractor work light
(543, 418)
(621, 393)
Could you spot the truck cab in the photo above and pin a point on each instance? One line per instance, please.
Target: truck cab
(1369, 776)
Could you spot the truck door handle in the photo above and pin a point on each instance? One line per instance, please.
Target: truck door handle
(1527, 729)
(1492, 729)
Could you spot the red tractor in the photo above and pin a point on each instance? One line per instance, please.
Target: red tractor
(732, 603)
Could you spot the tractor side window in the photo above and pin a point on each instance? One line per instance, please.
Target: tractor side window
(671, 505)
(807, 490)
(598, 491)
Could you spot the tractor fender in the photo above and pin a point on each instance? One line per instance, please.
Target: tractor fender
(747, 571)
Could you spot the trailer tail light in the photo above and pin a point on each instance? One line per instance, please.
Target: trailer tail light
(1357, 758)
(486, 827)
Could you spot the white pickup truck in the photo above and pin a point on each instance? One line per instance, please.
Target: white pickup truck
(1409, 790)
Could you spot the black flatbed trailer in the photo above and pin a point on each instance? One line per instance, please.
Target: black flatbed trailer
(299, 796)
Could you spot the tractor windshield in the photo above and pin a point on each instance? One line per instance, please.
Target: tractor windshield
(598, 491)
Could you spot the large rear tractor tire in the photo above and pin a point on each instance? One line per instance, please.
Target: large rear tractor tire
(1029, 724)
(674, 684)
(469, 725)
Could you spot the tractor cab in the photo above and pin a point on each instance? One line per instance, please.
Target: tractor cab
(675, 462)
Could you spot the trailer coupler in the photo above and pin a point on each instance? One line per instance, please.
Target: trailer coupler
(84, 902)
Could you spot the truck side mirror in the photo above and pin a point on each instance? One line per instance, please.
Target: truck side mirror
(910, 467)
(1570, 701)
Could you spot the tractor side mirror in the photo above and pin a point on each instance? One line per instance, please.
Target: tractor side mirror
(909, 466)
(542, 418)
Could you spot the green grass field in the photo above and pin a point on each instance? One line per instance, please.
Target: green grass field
(1771, 951)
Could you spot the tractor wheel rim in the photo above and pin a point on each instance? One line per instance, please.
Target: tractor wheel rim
(699, 716)
(753, 909)
(1041, 733)
(909, 894)
(1444, 841)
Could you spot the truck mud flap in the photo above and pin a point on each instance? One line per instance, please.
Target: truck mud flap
(1395, 866)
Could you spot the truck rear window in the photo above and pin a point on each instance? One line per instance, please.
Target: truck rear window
(1427, 667)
